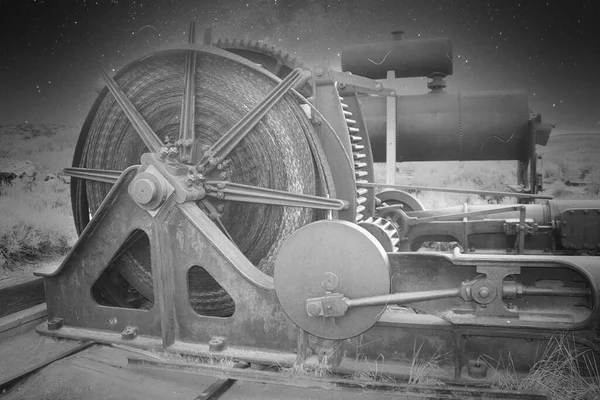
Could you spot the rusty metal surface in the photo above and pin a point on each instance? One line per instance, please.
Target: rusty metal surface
(407, 58)
(580, 228)
(452, 126)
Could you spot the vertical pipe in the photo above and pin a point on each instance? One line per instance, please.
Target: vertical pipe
(390, 158)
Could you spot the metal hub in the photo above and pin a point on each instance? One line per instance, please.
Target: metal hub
(335, 256)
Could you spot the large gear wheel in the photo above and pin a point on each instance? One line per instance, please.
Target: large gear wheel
(277, 154)
(274, 60)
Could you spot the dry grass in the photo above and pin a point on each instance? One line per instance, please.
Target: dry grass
(424, 370)
(36, 222)
(35, 216)
(565, 371)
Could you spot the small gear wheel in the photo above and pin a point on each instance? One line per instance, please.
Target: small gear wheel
(384, 231)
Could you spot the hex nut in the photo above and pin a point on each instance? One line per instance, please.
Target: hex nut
(129, 333)
(476, 369)
(216, 343)
(55, 324)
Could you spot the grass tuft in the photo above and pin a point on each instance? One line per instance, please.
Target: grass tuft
(565, 371)
(36, 222)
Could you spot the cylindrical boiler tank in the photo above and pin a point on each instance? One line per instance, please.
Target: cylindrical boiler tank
(442, 126)
(407, 58)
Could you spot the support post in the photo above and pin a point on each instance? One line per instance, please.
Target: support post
(390, 158)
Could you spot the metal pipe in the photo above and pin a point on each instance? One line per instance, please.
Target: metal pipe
(565, 291)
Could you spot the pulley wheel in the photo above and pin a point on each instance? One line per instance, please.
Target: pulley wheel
(337, 257)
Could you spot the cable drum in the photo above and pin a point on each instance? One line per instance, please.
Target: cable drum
(276, 155)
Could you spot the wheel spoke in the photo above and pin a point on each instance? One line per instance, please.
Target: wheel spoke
(230, 140)
(151, 140)
(98, 175)
(187, 134)
(253, 194)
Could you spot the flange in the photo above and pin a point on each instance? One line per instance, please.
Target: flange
(337, 257)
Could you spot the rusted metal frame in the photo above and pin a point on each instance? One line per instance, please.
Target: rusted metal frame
(452, 190)
(226, 143)
(497, 268)
(187, 133)
(225, 190)
(336, 144)
(220, 385)
(333, 383)
(93, 174)
(148, 136)
(171, 323)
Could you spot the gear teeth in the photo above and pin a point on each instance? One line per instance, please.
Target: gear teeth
(362, 191)
(360, 171)
(384, 231)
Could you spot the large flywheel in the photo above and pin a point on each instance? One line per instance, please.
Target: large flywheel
(279, 153)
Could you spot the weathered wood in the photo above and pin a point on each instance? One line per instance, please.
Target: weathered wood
(20, 292)
(22, 321)
(220, 385)
(336, 383)
(11, 379)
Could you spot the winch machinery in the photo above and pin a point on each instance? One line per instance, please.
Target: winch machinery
(226, 204)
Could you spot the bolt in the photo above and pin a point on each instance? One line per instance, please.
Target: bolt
(313, 309)
(319, 71)
(55, 324)
(164, 152)
(216, 343)
(189, 181)
(342, 85)
(378, 86)
(200, 177)
(223, 175)
(220, 208)
(510, 306)
(220, 195)
(129, 333)
(220, 167)
(392, 93)
(221, 185)
(484, 292)
(173, 153)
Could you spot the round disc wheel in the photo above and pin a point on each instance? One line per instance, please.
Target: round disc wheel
(335, 256)
(276, 154)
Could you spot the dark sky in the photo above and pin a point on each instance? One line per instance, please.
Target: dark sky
(551, 49)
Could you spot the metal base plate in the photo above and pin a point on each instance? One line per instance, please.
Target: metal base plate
(335, 256)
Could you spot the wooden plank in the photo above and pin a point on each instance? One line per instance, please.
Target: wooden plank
(20, 292)
(11, 379)
(22, 321)
(335, 383)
